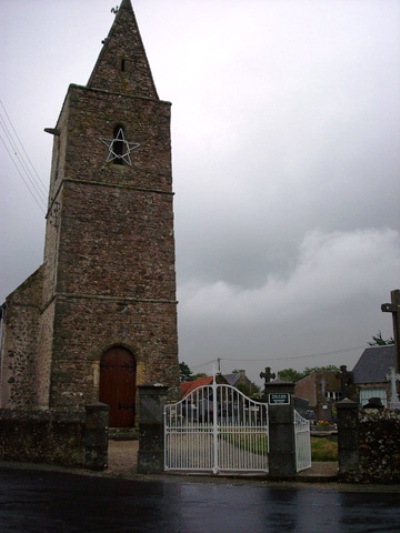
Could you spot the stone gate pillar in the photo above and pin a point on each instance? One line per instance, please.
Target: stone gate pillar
(152, 399)
(96, 436)
(282, 448)
(348, 442)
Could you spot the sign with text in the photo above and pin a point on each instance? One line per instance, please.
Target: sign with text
(279, 398)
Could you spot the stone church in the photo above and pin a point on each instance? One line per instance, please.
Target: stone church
(99, 317)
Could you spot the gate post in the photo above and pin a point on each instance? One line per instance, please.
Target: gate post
(152, 399)
(96, 436)
(282, 447)
(348, 440)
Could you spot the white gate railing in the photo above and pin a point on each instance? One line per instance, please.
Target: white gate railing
(216, 428)
(302, 442)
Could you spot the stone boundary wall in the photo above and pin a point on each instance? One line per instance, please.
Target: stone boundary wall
(379, 446)
(369, 444)
(78, 439)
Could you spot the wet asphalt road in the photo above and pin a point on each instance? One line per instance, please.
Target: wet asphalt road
(55, 502)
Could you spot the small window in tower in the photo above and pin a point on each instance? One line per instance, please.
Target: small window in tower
(118, 145)
(123, 65)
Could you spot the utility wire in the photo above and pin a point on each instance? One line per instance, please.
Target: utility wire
(296, 356)
(41, 185)
(286, 358)
(21, 161)
(22, 176)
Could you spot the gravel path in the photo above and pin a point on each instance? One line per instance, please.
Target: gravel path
(122, 456)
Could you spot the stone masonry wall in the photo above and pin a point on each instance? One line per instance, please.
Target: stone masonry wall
(77, 439)
(379, 446)
(18, 357)
(369, 445)
(42, 437)
(116, 242)
(101, 323)
(134, 76)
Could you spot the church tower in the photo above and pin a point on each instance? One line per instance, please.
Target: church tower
(108, 318)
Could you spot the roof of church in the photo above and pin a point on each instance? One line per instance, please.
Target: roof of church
(122, 66)
(374, 363)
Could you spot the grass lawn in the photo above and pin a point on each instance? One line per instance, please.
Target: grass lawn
(323, 449)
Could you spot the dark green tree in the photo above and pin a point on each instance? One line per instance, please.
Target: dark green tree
(378, 341)
(185, 374)
(289, 374)
(328, 368)
(197, 376)
(251, 389)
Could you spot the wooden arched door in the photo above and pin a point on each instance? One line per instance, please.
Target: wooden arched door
(118, 386)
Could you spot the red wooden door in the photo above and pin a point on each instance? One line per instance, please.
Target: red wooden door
(117, 386)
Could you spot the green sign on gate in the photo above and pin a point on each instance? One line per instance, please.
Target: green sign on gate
(279, 398)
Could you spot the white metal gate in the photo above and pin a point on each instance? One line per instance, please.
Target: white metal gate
(302, 442)
(216, 428)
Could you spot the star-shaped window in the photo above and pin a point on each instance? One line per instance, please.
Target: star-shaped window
(119, 148)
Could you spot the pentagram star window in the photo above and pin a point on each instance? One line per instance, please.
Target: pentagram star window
(119, 148)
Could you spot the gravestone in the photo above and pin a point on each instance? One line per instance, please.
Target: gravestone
(394, 402)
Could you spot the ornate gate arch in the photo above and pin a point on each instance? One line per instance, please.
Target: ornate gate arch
(216, 428)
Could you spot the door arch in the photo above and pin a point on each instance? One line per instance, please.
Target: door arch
(118, 386)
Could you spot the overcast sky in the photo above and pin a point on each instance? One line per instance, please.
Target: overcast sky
(285, 138)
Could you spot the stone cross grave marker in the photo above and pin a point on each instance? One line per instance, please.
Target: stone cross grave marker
(394, 308)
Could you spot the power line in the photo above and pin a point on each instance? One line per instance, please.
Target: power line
(22, 177)
(323, 354)
(39, 181)
(285, 358)
(21, 160)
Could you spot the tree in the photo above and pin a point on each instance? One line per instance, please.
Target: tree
(378, 341)
(289, 374)
(251, 389)
(197, 376)
(185, 374)
(328, 368)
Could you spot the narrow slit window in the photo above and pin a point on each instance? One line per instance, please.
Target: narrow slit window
(118, 145)
(123, 65)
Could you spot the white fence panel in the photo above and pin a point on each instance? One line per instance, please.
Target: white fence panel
(303, 442)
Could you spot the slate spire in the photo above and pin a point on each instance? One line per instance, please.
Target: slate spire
(122, 66)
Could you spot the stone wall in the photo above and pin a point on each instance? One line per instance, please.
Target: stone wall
(19, 344)
(73, 439)
(369, 445)
(379, 446)
(42, 437)
(99, 324)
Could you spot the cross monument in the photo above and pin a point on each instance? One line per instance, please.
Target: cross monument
(394, 308)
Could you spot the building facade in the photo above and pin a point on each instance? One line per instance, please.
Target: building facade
(99, 317)
(371, 374)
(322, 389)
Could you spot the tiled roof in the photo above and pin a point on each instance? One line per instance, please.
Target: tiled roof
(188, 386)
(374, 364)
